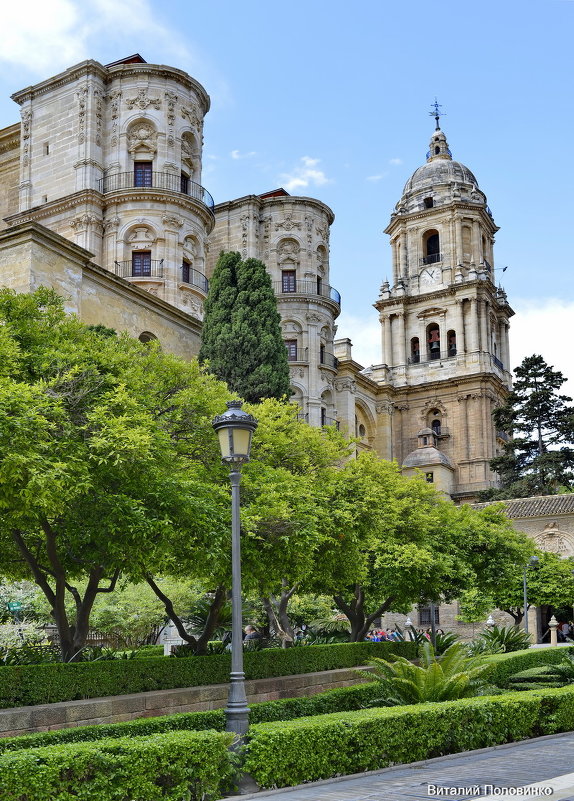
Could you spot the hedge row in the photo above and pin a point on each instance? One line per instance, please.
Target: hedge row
(24, 685)
(339, 700)
(175, 765)
(308, 749)
(504, 666)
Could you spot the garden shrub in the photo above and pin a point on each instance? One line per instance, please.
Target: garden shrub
(308, 749)
(503, 666)
(339, 700)
(175, 765)
(23, 685)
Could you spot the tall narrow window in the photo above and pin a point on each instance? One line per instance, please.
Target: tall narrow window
(185, 271)
(435, 425)
(429, 203)
(288, 281)
(291, 346)
(319, 285)
(185, 183)
(143, 173)
(415, 350)
(323, 416)
(322, 354)
(141, 263)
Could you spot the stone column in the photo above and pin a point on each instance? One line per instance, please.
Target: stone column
(476, 242)
(404, 261)
(402, 354)
(472, 330)
(484, 328)
(459, 327)
(459, 253)
(172, 258)
(504, 351)
(463, 411)
(387, 342)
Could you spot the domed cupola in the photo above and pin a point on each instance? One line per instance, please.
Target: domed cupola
(440, 181)
(427, 459)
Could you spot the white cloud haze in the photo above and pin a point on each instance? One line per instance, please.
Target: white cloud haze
(304, 175)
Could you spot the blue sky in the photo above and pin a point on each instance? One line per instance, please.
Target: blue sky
(330, 99)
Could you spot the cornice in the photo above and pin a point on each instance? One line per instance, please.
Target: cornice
(67, 203)
(450, 291)
(161, 196)
(161, 71)
(82, 70)
(306, 300)
(10, 138)
(264, 204)
(433, 213)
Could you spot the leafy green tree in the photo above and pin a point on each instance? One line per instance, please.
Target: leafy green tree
(550, 584)
(242, 340)
(539, 457)
(394, 541)
(106, 454)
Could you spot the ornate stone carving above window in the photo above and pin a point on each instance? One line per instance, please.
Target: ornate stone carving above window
(142, 138)
(141, 100)
(555, 541)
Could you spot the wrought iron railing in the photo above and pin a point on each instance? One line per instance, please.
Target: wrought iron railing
(433, 357)
(328, 359)
(151, 269)
(302, 287)
(194, 278)
(446, 150)
(433, 258)
(155, 180)
(329, 421)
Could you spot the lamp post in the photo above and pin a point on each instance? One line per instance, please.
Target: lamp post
(533, 562)
(490, 623)
(235, 429)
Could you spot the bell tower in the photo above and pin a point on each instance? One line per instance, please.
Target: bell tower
(444, 322)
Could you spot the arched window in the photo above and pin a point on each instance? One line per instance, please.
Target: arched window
(415, 350)
(431, 247)
(429, 202)
(436, 150)
(147, 336)
(435, 425)
(433, 341)
(451, 343)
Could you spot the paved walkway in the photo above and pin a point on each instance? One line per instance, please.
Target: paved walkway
(546, 762)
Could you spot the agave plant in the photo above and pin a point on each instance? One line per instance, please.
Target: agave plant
(504, 639)
(448, 677)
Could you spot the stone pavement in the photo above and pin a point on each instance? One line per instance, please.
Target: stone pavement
(547, 762)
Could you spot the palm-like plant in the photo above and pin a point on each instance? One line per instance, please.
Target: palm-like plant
(505, 639)
(448, 677)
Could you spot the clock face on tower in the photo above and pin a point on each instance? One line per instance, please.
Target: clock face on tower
(431, 275)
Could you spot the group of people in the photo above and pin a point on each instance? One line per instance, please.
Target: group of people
(380, 635)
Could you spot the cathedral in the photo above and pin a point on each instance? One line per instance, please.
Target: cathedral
(101, 198)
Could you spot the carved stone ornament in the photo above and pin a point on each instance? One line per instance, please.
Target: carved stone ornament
(142, 138)
(84, 221)
(140, 237)
(553, 540)
(190, 113)
(288, 251)
(82, 96)
(384, 407)
(172, 220)
(345, 385)
(141, 100)
(288, 223)
(297, 372)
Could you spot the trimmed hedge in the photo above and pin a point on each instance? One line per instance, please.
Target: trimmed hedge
(24, 685)
(308, 749)
(504, 666)
(339, 700)
(175, 765)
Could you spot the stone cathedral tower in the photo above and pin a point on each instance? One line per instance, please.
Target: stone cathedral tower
(444, 327)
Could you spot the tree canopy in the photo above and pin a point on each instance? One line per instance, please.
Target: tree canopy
(106, 450)
(242, 340)
(538, 459)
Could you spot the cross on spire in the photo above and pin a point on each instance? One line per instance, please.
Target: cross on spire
(436, 113)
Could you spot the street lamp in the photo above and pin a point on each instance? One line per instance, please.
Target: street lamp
(490, 623)
(533, 562)
(235, 429)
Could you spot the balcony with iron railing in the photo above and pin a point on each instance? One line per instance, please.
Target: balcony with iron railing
(328, 360)
(329, 421)
(194, 278)
(432, 258)
(307, 288)
(150, 269)
(156, 180)
(437, 355)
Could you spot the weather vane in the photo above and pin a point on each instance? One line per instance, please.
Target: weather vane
(436, 113)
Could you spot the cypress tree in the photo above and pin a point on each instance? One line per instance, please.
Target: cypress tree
(538, 459)
(242, 338)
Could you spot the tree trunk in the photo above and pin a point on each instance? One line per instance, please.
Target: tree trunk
(276, 609)
(515, 613)
(360, 621)
(198, 644)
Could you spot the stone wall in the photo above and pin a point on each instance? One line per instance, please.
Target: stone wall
(118, 708)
